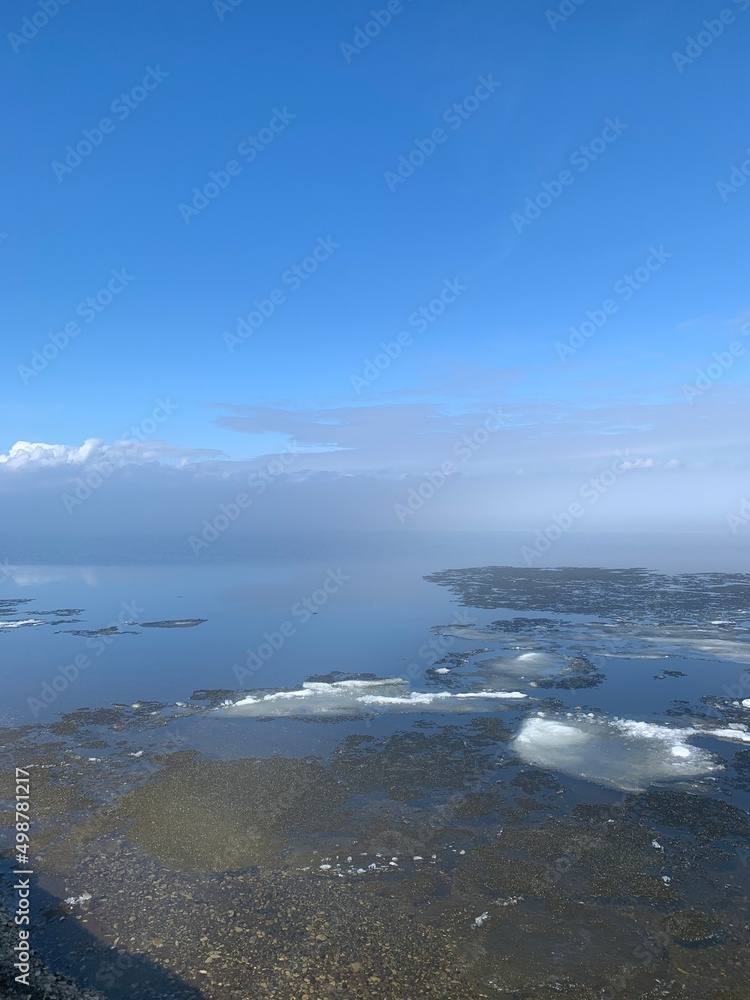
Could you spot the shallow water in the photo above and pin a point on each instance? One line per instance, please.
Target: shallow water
(488, 782)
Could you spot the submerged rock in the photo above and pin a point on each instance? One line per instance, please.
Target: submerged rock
(219, 815)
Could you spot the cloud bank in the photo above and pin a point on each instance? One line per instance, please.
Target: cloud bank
(421, 465)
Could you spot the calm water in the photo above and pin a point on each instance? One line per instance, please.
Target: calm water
(372, 771)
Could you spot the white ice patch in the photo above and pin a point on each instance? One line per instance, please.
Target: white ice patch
(353, 697)
(733, 735)
(77, 900)
(542, 732)
(670, 640)
(618, 753)
(471, 632)
(509, 671)
(721, 649)
(413, 698)
(525, 650)
(428, 698)
(20, 624)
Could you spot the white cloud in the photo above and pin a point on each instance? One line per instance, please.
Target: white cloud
(25, 454)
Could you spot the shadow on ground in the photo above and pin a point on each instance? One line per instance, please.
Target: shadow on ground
(70, 963)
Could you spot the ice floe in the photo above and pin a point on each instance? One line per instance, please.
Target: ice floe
(352, 697)
(528, 648)
(525, 666)
(619, 753)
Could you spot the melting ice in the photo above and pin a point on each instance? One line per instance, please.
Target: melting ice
(353, 697)
(618, 753)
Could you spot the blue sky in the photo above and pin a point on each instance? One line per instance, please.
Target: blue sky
(217, 74)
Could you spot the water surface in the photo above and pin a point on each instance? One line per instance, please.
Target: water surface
(413, 780)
